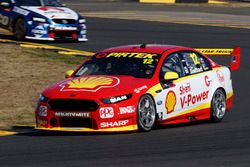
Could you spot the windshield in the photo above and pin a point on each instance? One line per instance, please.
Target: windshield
(54, 3)
(139, 65)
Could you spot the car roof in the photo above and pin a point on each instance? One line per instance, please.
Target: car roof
(146, 48)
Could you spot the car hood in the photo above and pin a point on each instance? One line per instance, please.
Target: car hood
(97, 86)
(53, 12)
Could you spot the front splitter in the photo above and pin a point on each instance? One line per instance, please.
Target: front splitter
(80, 129)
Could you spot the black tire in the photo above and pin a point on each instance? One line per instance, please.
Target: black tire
(146, 113)
(20, 29)
(218, 106)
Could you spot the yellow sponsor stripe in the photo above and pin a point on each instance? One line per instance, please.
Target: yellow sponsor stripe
(157, 1)
(229, 95)
(118, 129)
(200, 107)
(215, 52)
(154, 89)
(6, 133)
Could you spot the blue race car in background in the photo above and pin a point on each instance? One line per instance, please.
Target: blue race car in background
(41, 20)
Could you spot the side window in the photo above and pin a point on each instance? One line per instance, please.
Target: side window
(194, 62)
(172, 64)
(205, 63)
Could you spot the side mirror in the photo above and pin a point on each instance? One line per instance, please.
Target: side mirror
(171, 76)
(5, 4)
(69, 73)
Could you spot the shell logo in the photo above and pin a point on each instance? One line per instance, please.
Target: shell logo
(92, 83)
(170, 101)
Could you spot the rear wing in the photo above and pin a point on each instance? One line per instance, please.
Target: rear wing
(235, 53)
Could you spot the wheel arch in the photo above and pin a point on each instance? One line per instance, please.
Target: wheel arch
(150, 96)
(223, 90)
(14, 22)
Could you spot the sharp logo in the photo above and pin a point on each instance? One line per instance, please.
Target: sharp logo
(114, 124)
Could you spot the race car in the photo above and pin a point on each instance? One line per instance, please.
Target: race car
(41, 20)
(136, 87)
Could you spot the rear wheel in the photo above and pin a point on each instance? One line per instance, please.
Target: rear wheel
(20, 29)
(218, 106)
(146, 113)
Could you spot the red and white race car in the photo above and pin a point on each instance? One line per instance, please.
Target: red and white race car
(137, 87)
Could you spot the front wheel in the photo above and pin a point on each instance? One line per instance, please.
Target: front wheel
(218, 106)
(146, 113)
(20, 29)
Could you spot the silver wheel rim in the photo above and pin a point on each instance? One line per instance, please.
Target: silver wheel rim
(219, 104)
(146, 112)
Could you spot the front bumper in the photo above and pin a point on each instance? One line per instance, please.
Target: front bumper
(104, 118)
(52, 32)
(84, 39)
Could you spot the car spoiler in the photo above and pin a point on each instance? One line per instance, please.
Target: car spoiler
(234, 53)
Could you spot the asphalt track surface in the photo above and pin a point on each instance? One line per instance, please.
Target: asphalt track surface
(225, 144)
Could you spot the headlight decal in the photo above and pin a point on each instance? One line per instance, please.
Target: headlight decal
(43, 98)
(38, 19)
(82, 21)
(116, 99)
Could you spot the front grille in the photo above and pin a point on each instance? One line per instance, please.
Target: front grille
(73, 105)
(64, 34)
(65, 21)
(78, 122)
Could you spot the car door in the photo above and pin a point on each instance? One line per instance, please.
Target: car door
(167, 100)
(195, 90)
(183, 95)
(5, 10)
